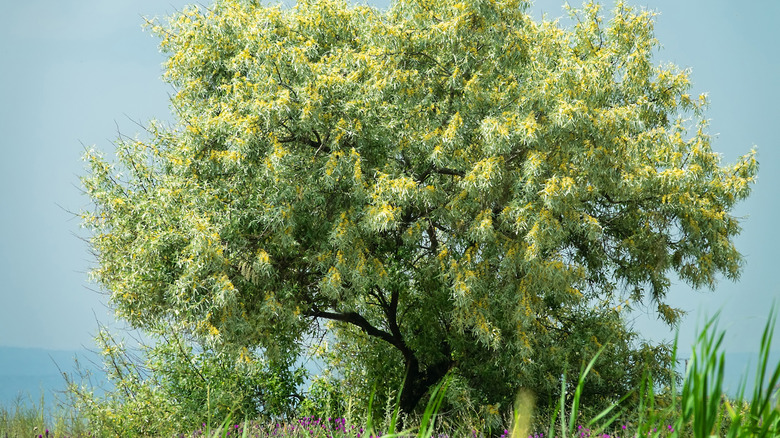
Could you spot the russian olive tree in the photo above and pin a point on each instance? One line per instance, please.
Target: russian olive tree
(457, 187)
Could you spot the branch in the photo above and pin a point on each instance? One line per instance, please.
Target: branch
(392, 315)
(374, 292)
(432, 236)
(448, 171)
(280, 82)
(441, 171)
(629, 201)
(440, 227)
(358, 320)
(541, 321)
(307, 141)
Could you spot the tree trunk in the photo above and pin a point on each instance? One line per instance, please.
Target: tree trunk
(412, 391)
(417, 383)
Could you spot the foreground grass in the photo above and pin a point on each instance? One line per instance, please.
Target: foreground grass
(31, 422)
(699, 410)
(29, 419)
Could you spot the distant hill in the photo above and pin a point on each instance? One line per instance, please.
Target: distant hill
(28, 373)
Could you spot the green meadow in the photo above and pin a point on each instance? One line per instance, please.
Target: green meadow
(697, 408)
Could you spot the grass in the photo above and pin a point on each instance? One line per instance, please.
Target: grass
(699, 409)
(21, 419)
(24, 419)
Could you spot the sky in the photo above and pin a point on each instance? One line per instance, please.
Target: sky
(75, 73)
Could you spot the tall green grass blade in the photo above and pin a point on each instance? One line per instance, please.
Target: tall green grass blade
(394, 417)
(431, 410)
(764, 418)
(553, 419)
(584, 371)
(702, 402)
(245, 431)
(603, 425)
(678, 423)
(563, 405)
(223, 429)
(702, 388)
(370, 414)
(646, 405)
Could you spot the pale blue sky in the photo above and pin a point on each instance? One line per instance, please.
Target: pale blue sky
(75, 71)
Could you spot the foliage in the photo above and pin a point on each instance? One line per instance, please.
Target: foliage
(455, 187)
(244, 385)
(173, 386)
(326, 396)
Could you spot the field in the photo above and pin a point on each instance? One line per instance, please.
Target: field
(698, 409)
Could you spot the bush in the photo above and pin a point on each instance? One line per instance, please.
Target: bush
(174, 385)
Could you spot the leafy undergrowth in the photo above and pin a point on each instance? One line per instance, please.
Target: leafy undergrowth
(699, 410)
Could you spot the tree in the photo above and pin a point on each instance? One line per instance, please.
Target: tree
(450, 183)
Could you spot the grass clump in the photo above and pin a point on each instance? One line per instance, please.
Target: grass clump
(27, 418)
(22, 419)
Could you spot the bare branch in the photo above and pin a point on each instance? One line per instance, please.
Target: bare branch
(359, 321)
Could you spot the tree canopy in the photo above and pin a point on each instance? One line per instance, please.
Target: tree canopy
(452, 185)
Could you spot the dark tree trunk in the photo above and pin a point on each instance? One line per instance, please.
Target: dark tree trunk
(417, 383)
(412, 391)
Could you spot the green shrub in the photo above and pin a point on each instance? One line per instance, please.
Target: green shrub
(173, 385)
